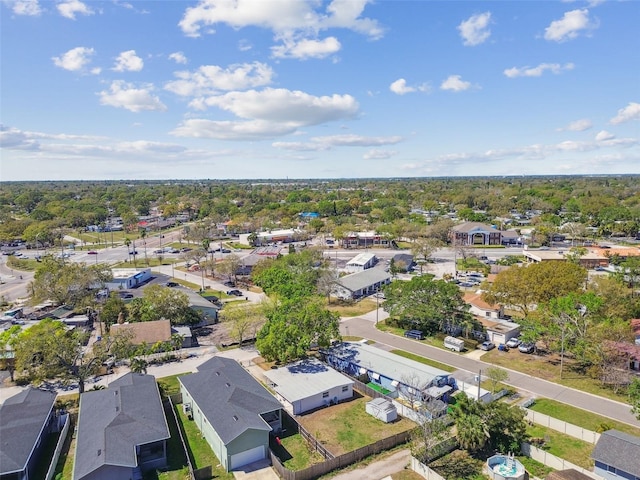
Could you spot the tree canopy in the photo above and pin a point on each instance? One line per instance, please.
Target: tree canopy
(426, 303)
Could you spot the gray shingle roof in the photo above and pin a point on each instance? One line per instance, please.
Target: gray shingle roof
(112, 422)
(619, 450)
(358, 281)
(229, 397)
(22, 418)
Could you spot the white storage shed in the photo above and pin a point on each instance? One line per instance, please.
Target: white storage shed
(382, 409)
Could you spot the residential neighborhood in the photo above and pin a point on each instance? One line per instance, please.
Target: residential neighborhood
(219, 349)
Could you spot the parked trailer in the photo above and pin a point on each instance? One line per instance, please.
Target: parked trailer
(454, 343)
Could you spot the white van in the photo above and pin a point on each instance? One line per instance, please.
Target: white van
(453, 343)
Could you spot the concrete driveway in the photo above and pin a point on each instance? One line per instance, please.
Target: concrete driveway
(256, 471)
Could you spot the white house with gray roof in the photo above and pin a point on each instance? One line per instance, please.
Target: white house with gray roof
(616, 455)
(361, 284)
(122, 430)
(234, 412)
(25, 421)
(361, 262)
(309, 384)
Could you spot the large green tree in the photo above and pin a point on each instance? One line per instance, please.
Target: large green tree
(522, 288)
(293, 326)
(48, 350)
(426, 303)
(68, 283)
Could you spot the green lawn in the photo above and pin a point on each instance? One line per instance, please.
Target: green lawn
(564, 446)
(579, 417)
(426, 361)
(535, 468)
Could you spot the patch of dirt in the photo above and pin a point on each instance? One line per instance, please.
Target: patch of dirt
(214, 335)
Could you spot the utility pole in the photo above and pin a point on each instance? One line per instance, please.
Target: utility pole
(479, 380)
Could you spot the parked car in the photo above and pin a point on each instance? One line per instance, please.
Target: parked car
(416, 334)
(92, 252)
(172, 284)
(234, 293)
(487, 346)
(225, 250)
(229, 283)
(527, 347)
(513, 342)
(125, 295)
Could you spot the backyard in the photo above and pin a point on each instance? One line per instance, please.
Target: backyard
(345, 427)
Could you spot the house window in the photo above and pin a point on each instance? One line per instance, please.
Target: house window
(488, 314)
(345, 388)
(325, 394)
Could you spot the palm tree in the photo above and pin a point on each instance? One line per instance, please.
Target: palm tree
(138, 365)
(143, 236)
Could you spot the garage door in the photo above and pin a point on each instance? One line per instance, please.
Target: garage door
(249, 456)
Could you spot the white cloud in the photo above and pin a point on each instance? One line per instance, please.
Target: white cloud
(455, 84)
(75, 59)
(125, 95)
(69, 8)
(626, 114)
(128, 62)
(400, 87)
(286, 106)
(356, 140)
(306, 48)
(24, 7)
(212, 79)
(292, 18)
(578, 126)
(475, 30)
(244, 45)
(569, 27)
(555, 68)
(604, 135)
(178, 57)
(268, 113)
(378, 154)
(300, 146)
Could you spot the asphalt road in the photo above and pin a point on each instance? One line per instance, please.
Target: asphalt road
(365, 327)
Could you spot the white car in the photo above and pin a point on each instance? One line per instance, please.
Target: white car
(513, 342)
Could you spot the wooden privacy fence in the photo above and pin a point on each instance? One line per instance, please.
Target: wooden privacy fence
(314, 443)
(59, 445)
(340, 461)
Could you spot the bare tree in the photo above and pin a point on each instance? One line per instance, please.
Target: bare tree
(411, 389)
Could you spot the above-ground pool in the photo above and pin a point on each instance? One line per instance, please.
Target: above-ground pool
(505, 467)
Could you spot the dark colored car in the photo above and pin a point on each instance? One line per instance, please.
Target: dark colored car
(92, 252)
(172, 284)
(229, 284)
(125, 295)
(234, 293)
(225, 250)
(416, 334)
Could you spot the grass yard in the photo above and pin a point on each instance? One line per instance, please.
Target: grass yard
(294, 451)
(535, 468)
(347, 426)
(563, 446)
(406, 474)
(426, 361)
(579, 417)
(169, 385)
(350, 309)
(547, 367)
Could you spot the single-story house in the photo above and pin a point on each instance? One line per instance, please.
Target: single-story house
(234, 412)
(481, 308)
(309, 384)
(122, 430)
(361, 284)
(616, 456)
(588, 260)
(500, 331)
(124, 278)
(400, 376)
(403, 262)
(247, 263)
(272, 236)
(361, 262)
(153, 332)
(365, 239)
(25, 421)
(475, 233)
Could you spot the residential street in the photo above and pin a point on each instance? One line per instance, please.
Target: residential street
(364, 327)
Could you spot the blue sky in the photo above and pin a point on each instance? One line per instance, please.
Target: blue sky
(232, 89)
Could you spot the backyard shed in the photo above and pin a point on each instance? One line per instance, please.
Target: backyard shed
(382, 409)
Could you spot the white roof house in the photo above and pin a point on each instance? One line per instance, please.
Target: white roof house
(309, 384)
(361, 262)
